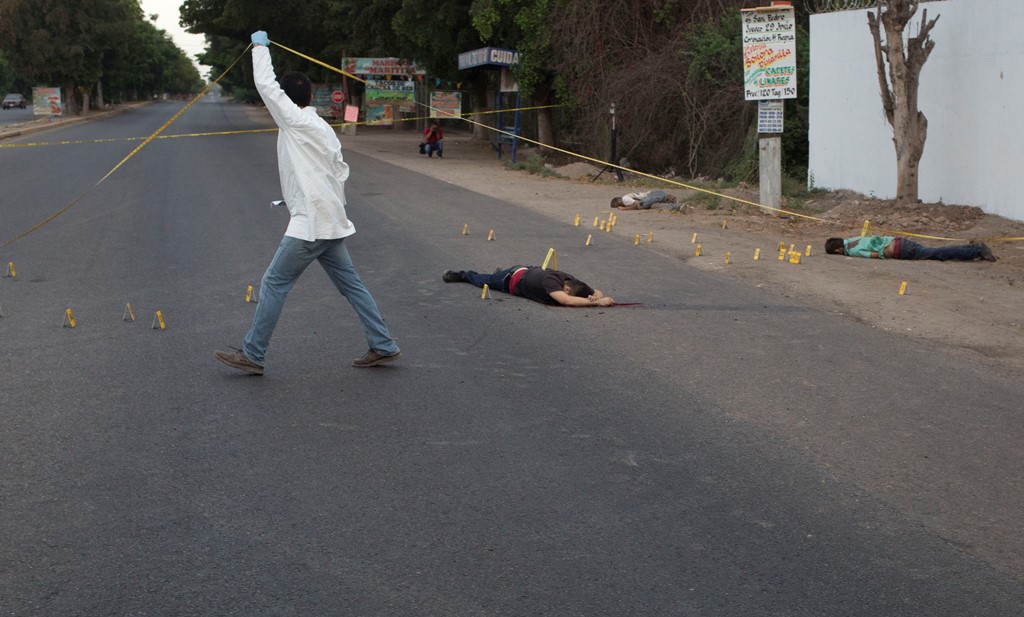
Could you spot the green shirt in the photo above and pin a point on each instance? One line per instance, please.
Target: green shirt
(863, 246)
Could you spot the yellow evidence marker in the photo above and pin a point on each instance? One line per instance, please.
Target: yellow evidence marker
(465, 229)
(727, 255)
(589, 240)
(577, 222)
(69, 319)
(757, 254)
(697, 254)
(866, 228)
(248, 294)
(490, 235)
(650, 237)
(637, 241)
(158, 318)
(483, 294)
(808, 252)
(129, 314)
(551, 258)
(903, 288)
(725, 223)
(595, 220)
(693, 240)
(602, 225)
(794, 257)
(10, 272)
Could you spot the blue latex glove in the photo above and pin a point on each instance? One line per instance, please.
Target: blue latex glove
(260, 38)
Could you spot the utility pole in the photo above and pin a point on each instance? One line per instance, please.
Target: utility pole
(769, 76)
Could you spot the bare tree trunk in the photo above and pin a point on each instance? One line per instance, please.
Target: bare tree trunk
(70, 100)
(99, 95)
(480, 104)
(545, 126)
(909, 124)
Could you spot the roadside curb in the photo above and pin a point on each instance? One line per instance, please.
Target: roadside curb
(38, 126)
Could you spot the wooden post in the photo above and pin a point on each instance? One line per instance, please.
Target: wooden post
(771, 171)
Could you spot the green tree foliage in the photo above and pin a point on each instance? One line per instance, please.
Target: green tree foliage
(6, 75)
(363, 29)
(220, 52)
(435, 33)
(672, 67)
(298, 24)
(521, 25)
(674, 70)
(79, 45)
(145, 61)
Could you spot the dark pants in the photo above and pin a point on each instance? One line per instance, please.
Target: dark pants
(499, 281)
(912, 250)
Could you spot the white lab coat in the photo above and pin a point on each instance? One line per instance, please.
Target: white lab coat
(309, 160)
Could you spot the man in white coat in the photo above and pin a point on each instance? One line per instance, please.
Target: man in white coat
(313, 175)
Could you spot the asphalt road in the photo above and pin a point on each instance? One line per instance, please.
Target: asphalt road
(519, 460)
(14, 116)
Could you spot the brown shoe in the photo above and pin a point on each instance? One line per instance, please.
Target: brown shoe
(372, 358)
(239, 361)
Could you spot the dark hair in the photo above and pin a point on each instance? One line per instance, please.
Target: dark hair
(616, 202)
(579, 288)
(298, 88)
(835, 246)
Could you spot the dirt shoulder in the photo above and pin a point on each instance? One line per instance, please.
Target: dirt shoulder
(972, 306)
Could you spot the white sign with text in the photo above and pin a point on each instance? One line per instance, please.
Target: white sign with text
(769, 53)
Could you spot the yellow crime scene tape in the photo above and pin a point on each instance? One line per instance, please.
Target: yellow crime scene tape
(620, 167)
(71, 204)
(464, 117)
(76, 142)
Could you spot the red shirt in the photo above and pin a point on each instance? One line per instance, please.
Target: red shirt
(432, 134)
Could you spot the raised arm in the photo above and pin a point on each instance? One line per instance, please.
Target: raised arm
(284, 111)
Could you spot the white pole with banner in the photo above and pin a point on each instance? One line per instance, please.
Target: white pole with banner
(769, 76)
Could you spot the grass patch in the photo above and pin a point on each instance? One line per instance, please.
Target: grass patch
(703, 200)
(534, 164)
(797, 193)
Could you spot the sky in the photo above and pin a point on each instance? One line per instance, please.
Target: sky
(167, 10)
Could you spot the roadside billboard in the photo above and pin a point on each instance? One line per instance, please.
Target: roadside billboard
(445, 104)
(46, 102)
(399, 93)
(769, 53)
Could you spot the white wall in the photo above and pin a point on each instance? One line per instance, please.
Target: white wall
(971, 91)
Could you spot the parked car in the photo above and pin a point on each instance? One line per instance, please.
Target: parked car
(14, 100)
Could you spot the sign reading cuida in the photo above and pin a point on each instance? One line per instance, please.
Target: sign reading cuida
(488, 56)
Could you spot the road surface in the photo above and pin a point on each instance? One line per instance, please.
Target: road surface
(518, 460)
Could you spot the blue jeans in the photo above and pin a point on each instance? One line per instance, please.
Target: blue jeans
(437, 146)
(654, 197)
(498, 281)
(912, 250)
(291, 259)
